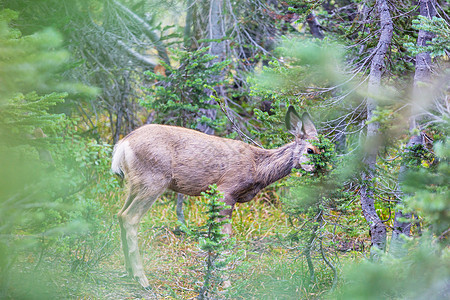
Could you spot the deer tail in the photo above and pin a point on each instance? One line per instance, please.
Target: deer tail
(118, 159)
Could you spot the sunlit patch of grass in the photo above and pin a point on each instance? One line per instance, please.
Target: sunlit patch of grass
(255, 219)
(259, 219)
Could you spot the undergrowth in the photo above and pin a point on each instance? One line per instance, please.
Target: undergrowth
(266, 263)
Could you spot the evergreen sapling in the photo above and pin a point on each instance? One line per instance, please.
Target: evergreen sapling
(214, 243)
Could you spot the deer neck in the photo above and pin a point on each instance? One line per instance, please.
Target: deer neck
(272, 165)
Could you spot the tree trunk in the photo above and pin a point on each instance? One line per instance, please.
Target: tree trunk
(377, 228)
(215, 31)
(422, 74)
(314, 26)
(187, 28)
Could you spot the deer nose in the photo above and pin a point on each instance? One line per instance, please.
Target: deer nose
(308, 168)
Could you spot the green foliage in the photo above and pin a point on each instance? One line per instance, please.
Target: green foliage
(84, 165)
(308, 65)
(26, 180)
(214, 243)
(45, 162)
(303, 78)
(429, 191)
(29, 63)
(301, 7)
(87, 248)
(56, 188)
(417, 156)
(22, 172)
(303, 195)
(278, 276)
(179, 96)
(422, 274)
(441, 40)
(22, 114)
(24, 153)
(275, 133)
(314, 200)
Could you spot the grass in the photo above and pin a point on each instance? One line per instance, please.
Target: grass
(265, 265)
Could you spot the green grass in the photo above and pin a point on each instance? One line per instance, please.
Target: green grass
(266, 264)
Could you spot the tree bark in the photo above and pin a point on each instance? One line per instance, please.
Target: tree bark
(314, 26)
(422, 74)
(187, 28)
(423, 61)
(377, 228)
(215, 32)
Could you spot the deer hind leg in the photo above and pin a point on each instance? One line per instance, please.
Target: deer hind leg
(123, 234)
(129, 217)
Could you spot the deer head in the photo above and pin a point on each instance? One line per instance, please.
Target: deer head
(304, 131)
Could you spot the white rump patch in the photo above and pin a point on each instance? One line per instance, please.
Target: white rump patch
(120, 153)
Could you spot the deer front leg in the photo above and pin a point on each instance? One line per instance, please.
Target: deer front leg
(226, 213)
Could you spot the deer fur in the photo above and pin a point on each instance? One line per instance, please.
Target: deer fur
(154, 158)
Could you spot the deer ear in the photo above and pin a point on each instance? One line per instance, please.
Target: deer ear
(293, 122)
(308, 126)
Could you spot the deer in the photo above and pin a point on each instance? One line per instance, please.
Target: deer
(155, 158)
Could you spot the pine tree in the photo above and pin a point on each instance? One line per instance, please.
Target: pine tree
(27, 66)
(214, 243)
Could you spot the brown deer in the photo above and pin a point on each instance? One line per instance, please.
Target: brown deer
(154, 158)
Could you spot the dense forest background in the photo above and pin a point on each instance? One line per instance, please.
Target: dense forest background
(371, 223)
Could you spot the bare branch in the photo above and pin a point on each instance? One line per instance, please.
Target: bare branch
(143, 59)
(148, 31)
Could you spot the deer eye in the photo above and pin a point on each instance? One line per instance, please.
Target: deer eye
(310, 151)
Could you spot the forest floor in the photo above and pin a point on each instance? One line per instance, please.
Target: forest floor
(265, 265)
